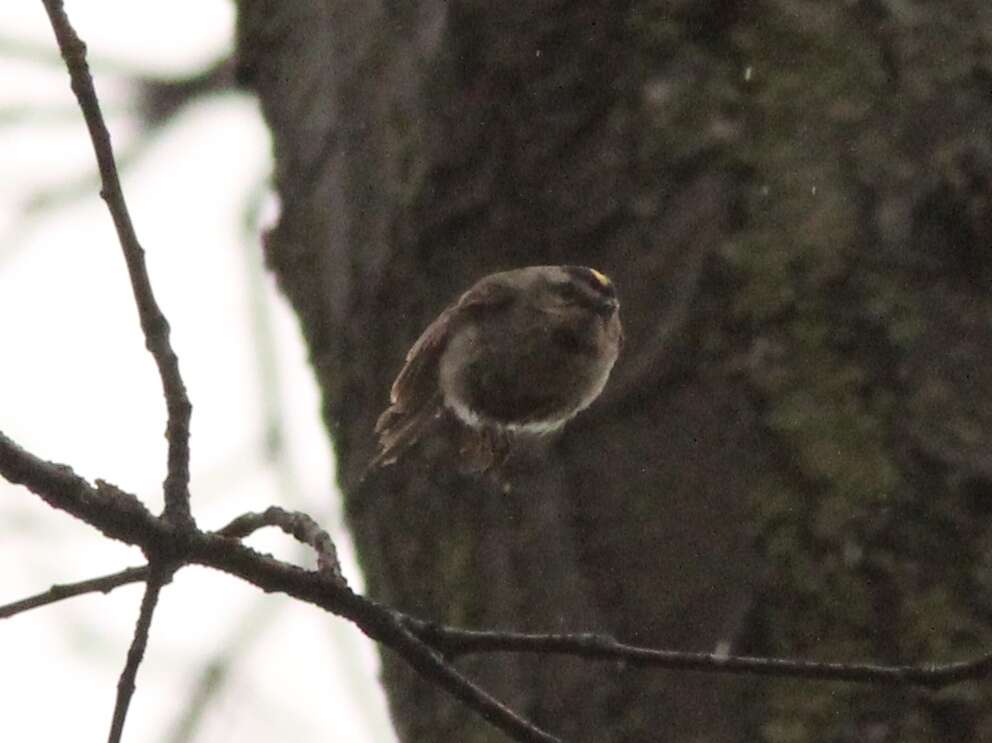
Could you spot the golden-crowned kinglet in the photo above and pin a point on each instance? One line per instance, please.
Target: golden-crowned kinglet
(517, 355)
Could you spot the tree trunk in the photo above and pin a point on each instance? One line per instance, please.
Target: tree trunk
(793, 198)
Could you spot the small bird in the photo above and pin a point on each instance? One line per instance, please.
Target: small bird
(518, 355)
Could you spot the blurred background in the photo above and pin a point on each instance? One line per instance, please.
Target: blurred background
(77, 386)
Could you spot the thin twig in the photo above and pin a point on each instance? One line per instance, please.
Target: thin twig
(153, 323)
(454, 642)
(125, 685)
(60, 592)
(298, 525)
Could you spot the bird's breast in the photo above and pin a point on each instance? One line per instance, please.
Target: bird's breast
(533, 381)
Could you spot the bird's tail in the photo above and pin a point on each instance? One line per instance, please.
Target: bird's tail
(398, 430)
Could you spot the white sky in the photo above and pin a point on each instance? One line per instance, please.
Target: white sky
(77, 386)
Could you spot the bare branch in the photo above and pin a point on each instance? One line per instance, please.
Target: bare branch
(125, 685)
(159, 99)
(153, 323)
(60, 592)
(378, 622)
(116, 514)
(430, 664)
(453, 642)
(421, 644)
(121, 516)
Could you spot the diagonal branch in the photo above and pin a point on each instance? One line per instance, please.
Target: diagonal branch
(153, 323)
(125, 685)
(122, 516)
(432, 666)
(113, 512)
(60, 592)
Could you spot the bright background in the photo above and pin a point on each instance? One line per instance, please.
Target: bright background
(77, 386)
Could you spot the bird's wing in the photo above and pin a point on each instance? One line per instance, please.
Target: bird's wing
(419, 372)
(415, 393)
(421, 360)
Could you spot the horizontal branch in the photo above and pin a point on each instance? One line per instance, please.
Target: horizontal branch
(453, 642)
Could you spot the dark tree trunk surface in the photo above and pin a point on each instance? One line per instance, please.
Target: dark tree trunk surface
(795, 200)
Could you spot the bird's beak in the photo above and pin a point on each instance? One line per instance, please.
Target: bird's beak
(607, 307)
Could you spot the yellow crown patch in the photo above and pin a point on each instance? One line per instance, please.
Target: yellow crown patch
(601, 278)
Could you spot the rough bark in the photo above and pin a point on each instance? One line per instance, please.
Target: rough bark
(794, 200)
